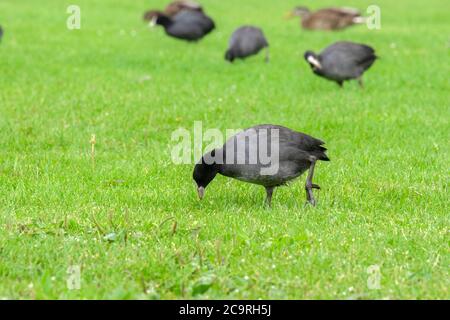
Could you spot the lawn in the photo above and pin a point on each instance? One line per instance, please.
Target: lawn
(130, 220)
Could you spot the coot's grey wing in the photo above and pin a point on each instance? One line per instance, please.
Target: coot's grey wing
(185, 31)
(248, 157)
(354, 52)
(235, 38)
(300, 145)
(246, 41)
(239, 157)
(186, 25)
(346, 59)
(286, 135)
(207, 24)
(251, 152)
(196, 18)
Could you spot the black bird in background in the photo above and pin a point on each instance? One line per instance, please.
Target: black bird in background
(342, 61)
(297, 153)
(186, 25)
(246, 41)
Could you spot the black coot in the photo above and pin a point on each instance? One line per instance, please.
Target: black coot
(245, 157)
(187, 24)
(246, 41)
(342, 61)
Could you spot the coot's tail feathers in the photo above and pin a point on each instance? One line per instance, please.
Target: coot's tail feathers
(324, 157)
(315, 147)
(320, 154)
(366, 62)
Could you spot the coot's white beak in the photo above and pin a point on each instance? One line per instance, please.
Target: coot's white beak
(201, 192)
(314, 62)
(153, 22)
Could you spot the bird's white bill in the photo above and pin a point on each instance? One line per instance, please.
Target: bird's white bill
(314, 62)
(153, 22)
(201, 192)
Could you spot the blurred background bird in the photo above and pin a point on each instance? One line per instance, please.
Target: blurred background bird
(176, 6)
(246, 41)
(327, 18)
(342, 61)
(173, 8)
(186, 25)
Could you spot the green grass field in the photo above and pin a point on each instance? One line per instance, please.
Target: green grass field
(131, 220)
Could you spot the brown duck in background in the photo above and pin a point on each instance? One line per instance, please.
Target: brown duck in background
(176, 6)
(328, 18)
(173, 8)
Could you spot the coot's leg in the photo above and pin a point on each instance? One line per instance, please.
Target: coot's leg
(309, 185)
(267, 55)
(340, 83)
(269, 191)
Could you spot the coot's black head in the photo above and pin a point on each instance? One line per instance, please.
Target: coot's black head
(157, 17)
(229, 56)
(313, 60)
(204, 172)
